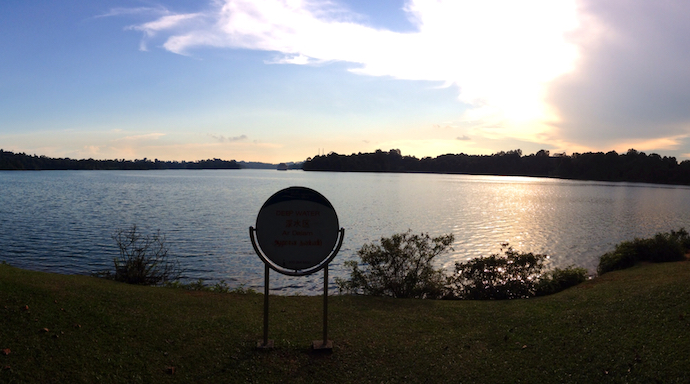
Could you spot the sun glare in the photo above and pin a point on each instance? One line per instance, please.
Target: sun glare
(500, 54)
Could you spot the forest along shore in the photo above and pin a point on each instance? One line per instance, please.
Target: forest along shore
(632, 166)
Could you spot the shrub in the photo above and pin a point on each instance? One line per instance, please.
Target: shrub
(663, 247)
(671, 246)
(142, 259)
(624, 256)
(512, 276)
(400, 266)
(560, 279)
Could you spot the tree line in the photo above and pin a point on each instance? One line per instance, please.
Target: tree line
(632, 166)
(22, 161)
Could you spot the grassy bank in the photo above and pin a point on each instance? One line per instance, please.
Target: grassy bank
(626, 326)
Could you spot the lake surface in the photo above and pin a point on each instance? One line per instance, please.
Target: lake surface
(62, 221)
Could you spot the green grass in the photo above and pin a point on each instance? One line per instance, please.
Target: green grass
(626, 326)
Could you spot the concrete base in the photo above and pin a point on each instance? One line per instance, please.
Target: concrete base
(319, 345)
(260, 344)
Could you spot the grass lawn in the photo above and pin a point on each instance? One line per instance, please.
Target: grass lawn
(626, 326)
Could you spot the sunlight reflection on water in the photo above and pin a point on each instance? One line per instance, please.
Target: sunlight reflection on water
(62, 221)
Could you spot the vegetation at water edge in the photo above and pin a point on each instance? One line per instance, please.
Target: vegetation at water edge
(662, 247)
(402, 266)
(22, 161)
(142, 259)
(632, 166)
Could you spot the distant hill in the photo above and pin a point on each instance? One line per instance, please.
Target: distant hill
(22, 161)
(257, 165)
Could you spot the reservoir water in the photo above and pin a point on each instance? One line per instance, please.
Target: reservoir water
(63, 221)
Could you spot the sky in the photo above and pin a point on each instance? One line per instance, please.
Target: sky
(284, 80)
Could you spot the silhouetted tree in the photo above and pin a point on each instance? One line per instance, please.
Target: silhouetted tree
(632, 166)
(22, 161)
(400, 266)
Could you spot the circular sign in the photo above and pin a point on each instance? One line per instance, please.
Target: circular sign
(297, 228)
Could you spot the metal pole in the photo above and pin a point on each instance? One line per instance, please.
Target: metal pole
(266, 274)
(325, 306)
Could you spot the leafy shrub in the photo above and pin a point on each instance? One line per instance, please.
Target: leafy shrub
(560, 279)
(663, 247)
(400, 266)
(142, 260)
(512, 276)
(624, 256)
(671, 246)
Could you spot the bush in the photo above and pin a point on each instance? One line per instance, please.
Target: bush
(142, 260)
(401, 266)
(560, 279)
(624, 256)
(663, 247)
(512, 276)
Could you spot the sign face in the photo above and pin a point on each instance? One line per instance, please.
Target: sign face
(297, 228)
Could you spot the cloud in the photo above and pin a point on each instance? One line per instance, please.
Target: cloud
(223, 139)
(298, 59)
(499, 54)
(155, 11)
(167, 22)
(446, 127)
(631, 85)
(92, 149)
(463, 138)
(577, 74)
(147, 136)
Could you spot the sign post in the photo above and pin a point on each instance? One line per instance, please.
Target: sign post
(297, 234)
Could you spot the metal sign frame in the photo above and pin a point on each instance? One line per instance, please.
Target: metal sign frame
(295, 272)
(324, 343)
